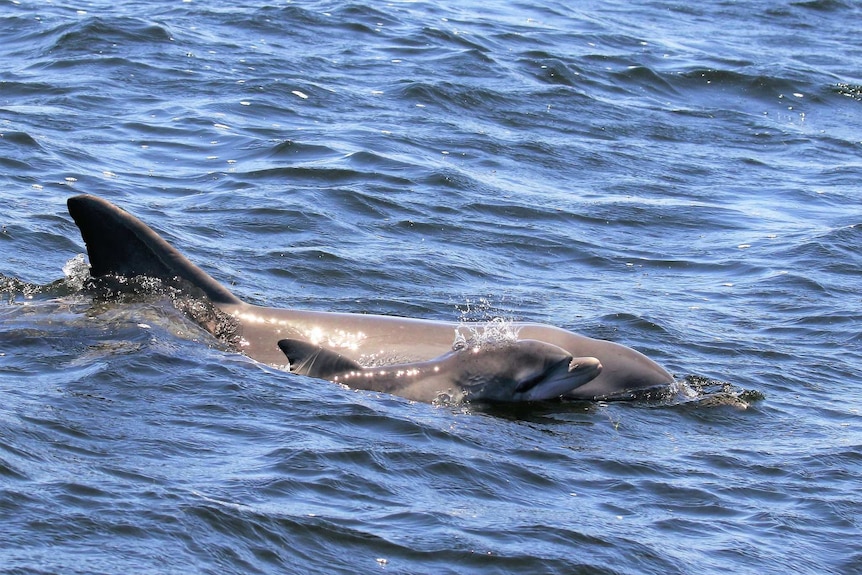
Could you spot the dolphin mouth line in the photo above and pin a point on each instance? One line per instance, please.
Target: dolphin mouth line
(529, 384)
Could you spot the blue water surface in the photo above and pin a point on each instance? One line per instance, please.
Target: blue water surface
(683, 179)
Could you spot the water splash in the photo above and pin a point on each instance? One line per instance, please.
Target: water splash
(698, 391)
(77, 272)
(481, 324)
(494, 332)
(478, 310)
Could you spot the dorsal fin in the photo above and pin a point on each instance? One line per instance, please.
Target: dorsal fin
(120, 244)
(315, 361)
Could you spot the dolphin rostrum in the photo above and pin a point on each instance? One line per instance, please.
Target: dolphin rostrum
(121, 245)
(523, 370)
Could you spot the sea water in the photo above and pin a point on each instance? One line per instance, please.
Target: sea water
(680, 178)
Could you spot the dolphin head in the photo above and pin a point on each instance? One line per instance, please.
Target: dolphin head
(525, 370)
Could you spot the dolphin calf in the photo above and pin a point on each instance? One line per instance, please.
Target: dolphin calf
(121, 245)
(523, 370)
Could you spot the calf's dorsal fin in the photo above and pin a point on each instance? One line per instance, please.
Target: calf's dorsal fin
(315, 361)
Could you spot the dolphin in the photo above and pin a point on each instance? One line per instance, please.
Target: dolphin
(121, 245)
(522, 370)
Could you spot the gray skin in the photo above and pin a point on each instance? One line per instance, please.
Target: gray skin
(119, 244)
(524, 370)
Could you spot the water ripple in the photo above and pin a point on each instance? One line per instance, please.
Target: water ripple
(682, 179)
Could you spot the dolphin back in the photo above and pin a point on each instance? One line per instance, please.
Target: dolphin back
(119, 244)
